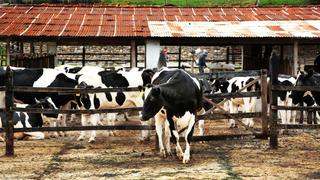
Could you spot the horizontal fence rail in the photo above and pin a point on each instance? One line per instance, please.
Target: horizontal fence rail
(222, 74)
(216, 116)
(296, 108)
(82, 128)
(72, 90)
(295, 88)
(298, 126)
(90, 111)
(233, 95)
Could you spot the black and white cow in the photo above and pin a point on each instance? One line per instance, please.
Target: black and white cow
(179, 96)
(27, 120)
(40, 78)
(284, 99)
(107, 79)
(245, 104)
(310, 98)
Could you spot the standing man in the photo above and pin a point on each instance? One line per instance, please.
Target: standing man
(163, 58)
(202, 61)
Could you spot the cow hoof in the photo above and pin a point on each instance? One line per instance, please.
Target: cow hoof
(53, 135)
(169, 153)
(163, 153)
(80, 139)
(91, 140)
(144, 139)
(185, 160)
(111, 133)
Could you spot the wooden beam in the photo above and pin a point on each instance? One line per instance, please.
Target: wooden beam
(8, 124)
(295, 58)
(133, 54)
(8, 52)
(264, 103)
(274, 69)
(83, 55)
(21, 48)
(31, 48)
(179, 58)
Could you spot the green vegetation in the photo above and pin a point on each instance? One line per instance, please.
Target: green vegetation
(210, 2)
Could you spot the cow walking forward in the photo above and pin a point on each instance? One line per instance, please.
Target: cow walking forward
(177, 95)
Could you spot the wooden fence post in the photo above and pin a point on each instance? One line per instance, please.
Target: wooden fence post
(274, 70)
(264, 103)
(9, 114)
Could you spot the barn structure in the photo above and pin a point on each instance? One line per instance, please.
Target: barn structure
(293, 31)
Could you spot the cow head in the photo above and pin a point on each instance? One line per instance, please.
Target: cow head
(147, 75)
(83, 99)
(303, 79)
(46, 103)
(153, 102)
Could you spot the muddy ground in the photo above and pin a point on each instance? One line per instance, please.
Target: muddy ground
(124, 157)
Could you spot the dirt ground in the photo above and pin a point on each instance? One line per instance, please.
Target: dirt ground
(124, 157)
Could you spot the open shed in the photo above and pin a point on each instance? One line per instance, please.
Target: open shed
(256, 29)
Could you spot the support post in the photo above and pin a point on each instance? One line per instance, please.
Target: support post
(274, 69)
(8, 123)
(83, 55)
(133, 54)
(32, 48)
(295, 58)
(264, 103)
(227, 55)
(8, 52)
(21, 49)
(233, 57)
(179, 58)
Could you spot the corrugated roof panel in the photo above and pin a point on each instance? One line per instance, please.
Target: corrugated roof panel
(79, 20)
(299, 29)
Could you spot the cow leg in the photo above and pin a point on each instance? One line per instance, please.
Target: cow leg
(145, 134)
(248, 107)
(62, 122)
(201, 127)
(84, 122)
(167, 137)
(233, 109)
(35, 135)
(95, 118)
(53, 134)
(175, 136)
(159, 129)
(188, 136)
(110, 119)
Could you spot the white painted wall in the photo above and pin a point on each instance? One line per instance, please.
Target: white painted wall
(152, 53)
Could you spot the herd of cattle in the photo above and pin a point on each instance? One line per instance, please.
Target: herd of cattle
(171, 96)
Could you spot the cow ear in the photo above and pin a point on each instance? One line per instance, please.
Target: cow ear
(310, 73)
(141, 88)
(156, 91)
(149, 85)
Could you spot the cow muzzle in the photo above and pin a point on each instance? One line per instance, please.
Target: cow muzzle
(144, 118)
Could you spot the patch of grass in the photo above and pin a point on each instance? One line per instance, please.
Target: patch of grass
(224, 161)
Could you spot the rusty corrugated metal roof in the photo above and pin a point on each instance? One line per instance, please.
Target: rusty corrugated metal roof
(137, 21)
(262, 29)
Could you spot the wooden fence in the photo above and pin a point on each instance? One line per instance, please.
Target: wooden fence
(10, 108)
(274, 126)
